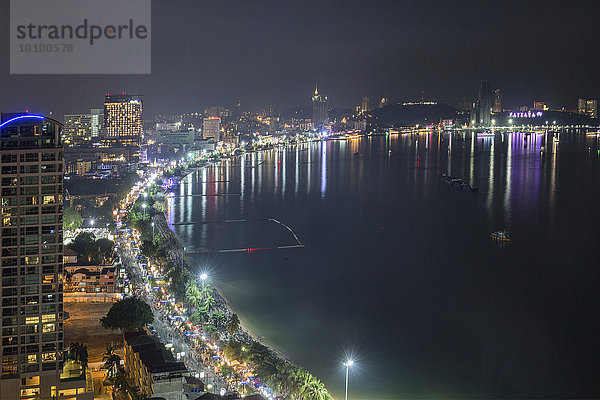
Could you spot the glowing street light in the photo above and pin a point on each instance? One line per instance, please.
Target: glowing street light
(203, 278)
(92, 222)
(152, 230)
(347, 364)
(144, 207)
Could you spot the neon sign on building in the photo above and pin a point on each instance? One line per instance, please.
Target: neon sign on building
(528, 114)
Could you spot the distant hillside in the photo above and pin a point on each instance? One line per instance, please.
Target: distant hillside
(400, 115)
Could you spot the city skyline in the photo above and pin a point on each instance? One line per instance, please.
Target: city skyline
(398, 54)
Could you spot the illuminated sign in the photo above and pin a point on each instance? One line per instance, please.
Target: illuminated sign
(28, 116)
(527, 114)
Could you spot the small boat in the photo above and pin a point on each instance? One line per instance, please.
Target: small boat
(501, 236)
(451, 180)
(457, 182)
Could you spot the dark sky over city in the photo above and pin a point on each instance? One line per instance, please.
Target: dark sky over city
(273, 52)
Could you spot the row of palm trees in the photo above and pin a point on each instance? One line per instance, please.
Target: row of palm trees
(287, 379)
(293, 381)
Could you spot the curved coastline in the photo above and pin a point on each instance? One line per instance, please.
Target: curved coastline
(244, 326)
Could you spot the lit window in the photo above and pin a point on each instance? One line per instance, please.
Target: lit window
(48, 200)
(48, 317)
(30, 381)
(30, 392)
(32, 358)
(48, 328)
(48, 357)
(30, 260)
(32, 320)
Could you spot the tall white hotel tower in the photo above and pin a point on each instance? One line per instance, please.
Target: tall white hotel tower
(31, 179)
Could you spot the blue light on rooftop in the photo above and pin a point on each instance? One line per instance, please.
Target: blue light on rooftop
(28, 116)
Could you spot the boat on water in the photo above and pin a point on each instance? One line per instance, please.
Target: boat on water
(457, 182)
(501, 236)
(451, 180)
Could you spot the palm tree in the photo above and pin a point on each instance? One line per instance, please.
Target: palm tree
(78, 353)
(300, 381)
(208, 304)
(315, 390)
(205, 290)
(83, 356)
(233, 324)
(111, 360)
(283, 379)
(193, 294)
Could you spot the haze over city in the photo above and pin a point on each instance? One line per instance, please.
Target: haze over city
(273, 53)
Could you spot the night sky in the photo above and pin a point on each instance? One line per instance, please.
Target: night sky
(273, 52)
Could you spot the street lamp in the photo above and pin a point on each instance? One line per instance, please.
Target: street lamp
(144, 207)
(347, 364)
(152, 230)
(92, 222)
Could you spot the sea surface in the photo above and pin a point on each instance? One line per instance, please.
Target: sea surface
(398, 270)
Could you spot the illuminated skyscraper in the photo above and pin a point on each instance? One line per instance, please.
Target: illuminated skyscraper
(211, 128)
(77, 131)
(497, 101)
(320, 112)
(485, 103)
(588, 107)
(364, 105)
(31, 162)
(97, 122)
(581, 106)
(123, 120)
(591, 108)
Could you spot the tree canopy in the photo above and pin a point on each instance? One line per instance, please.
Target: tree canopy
(128, 314)
(92, 250)
(72, 219)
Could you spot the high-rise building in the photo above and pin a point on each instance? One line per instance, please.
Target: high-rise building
(320, 112)
(212, 128)
(539, 106)
(588, 107)
(485, 103)
(581, 103)
(77, 130)
(591, 108)
(497, 101)
(364, 105)
(31, 172)
(97, 122)
(123, 120)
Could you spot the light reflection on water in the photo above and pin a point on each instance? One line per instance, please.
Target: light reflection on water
(404, 262)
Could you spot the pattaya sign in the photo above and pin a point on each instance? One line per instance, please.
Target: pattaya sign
(528, 114)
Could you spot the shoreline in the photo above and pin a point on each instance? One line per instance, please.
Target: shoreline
(243, 325)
